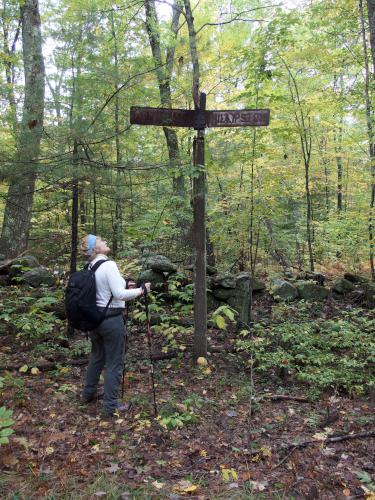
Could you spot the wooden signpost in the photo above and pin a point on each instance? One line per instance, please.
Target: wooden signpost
(199, 119)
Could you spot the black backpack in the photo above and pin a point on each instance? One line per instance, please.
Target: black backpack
(80, 299)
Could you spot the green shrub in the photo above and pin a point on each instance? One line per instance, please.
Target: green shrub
(326, 354)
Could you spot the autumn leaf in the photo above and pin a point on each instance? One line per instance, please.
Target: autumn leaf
(185, 486)
(158, 485)
(35, 370)
(49, 450)
(23, 369)
(229, 474)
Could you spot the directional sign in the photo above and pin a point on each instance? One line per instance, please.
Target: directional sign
(188, 118)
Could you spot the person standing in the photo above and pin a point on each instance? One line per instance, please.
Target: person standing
(108, 340)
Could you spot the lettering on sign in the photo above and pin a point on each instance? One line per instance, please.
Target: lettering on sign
(238, 118)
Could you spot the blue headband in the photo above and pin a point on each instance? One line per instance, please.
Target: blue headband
(91, 241)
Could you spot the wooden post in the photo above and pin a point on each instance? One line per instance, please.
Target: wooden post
(199, 210)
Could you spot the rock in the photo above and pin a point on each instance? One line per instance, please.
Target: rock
(242, 299)
(160, 263)
(342, 286)
(39, 276)
(3, 279)
(151, 276)
(210, 270)
(224, 281)
(257, 285)
(224, 293)
(308, 290)
(355, 278)
(27, 261)
(18, 266)
(212, 302)
(284, 291)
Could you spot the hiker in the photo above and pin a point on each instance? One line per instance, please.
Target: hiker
(108, 340)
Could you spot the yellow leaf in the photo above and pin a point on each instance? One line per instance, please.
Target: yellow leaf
(203, 453)
(320, 436)
(35, 370)
(49, 450)
(185, 486)
(201, 361)
(220, 322)
(228, 473)
(266, 452)
(23, 369)
(191, 489)
(207, 371)
(96, 448)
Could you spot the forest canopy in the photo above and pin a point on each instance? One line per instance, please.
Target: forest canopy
(302, 187)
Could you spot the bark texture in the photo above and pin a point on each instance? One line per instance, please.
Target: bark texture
(17, 215)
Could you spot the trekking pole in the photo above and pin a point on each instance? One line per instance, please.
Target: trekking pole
(149, 349)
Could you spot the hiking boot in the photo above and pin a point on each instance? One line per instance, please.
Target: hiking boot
(92, 397)
(120, 410)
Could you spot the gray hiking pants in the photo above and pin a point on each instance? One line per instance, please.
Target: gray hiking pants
(108, 349)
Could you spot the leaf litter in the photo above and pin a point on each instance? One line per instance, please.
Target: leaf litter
(224, 448)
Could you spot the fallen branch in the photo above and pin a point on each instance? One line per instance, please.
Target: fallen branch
(157, 356)
(285, 397)
(333, 439)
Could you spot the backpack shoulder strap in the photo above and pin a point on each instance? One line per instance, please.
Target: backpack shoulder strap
(93, 269)
(97, 265)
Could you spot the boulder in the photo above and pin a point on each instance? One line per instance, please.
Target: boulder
(241, 301)
(284, 291)
(212, 302)
(224, 281)
(224, 293)
(210, 270)
(26, 261)
(257, 285)
(18, 266)
(355, 278)
(342, 286)
(39, 276)
(160, 264)
(151, 276)
(308, 290)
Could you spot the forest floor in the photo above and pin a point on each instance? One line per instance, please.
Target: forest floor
(219, 435)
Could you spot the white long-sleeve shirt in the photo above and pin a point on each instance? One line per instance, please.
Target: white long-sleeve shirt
(109, 281)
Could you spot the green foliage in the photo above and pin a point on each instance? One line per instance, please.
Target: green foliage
(219, 315)
(28, 317)
(5, 425)
(337, 354)
(171, 419)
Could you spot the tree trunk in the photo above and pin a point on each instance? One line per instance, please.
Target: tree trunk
(371, 19)
(370, 131)
(74, 226)
(163, 74)
(9, 51)
(17, 214)
(199, 207)
(118, 222)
